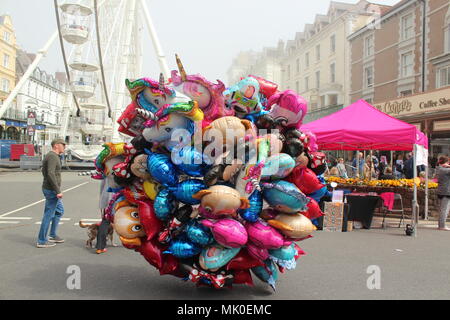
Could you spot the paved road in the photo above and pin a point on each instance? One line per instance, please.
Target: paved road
(335, 267)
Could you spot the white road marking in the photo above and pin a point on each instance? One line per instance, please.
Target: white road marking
(15, 218)
(64, 219)
(40, 222)
(40, 201)
(9, 222)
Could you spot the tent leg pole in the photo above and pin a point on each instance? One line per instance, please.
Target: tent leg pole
(426, 192)
(414, 203)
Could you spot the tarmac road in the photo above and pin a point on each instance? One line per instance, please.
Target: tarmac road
(334, 268)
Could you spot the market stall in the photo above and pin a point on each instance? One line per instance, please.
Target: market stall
(361, 126)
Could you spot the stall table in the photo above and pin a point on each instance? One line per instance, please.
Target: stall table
(362, 207)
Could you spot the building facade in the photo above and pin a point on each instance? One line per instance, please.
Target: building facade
(8, 51)
(265, 64)
(413, 39)
(316, 64)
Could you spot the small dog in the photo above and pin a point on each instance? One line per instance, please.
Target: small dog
(92, 230)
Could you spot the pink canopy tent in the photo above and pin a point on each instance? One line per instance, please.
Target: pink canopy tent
(361, 126)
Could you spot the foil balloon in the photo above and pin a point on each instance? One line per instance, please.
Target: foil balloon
(185, 191)
(152, 252)
(244, 97)
(288, 108)
(295, 226)
(198, 233)
(191, 161)
(284, 196)
(244, 261)
(164, 205)
(264, 236)
(161, 168)
(251, 214)
(220, 201)
(314, 211)
(216, 256)
(257, 252)
(319, 194)
(243, 277)
(128, 226)
(305, 179)
(182, 247)
(139, 167)
(284, 256)
(227, 232)
(267, 273)
(151, 224)
(278, 166)
(150, 189)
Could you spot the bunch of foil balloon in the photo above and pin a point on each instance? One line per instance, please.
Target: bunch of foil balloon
(216, 185)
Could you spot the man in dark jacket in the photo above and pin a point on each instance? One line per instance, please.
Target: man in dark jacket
(51, 187)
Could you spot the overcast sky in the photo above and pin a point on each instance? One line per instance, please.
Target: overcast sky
(206, 33)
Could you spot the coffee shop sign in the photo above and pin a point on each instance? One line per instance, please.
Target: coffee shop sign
(406, 106)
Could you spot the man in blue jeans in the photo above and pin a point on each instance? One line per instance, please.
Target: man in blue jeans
(51, 187)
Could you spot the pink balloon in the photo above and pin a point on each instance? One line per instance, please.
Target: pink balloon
(257, 252)
(264, 236)
(227, 232)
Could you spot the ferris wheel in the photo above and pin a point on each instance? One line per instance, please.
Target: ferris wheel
(101, 44)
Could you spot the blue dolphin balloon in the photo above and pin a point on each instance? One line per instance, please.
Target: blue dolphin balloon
(198, 233)
(184, 191)
(161, 168)
(191, 161)
(181, 247)
(164, 205)
(252, 213)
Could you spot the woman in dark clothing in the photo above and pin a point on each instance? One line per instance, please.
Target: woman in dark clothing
(387, 174)
(443, 191)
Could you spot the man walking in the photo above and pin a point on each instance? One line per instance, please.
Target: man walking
(51, 187)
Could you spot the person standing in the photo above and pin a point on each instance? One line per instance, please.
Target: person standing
(341, 168)
(51, 187)
(443, 191)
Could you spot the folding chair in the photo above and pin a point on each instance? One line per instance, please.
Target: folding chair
(397, 208)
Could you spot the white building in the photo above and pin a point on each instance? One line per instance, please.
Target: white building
(44, 94)
(316, 64)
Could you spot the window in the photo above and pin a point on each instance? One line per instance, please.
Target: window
(288, 75)
(5, 85)
(368, 77)
(443, 75)
(332, 99)
(297, 87)
(322, 101)
(406, 93)
(318, 52)
(407, 27)
(317, 79)
(333, 43)
(307, 59)
(298, 65)
(369, 46)
(6, 60)
(306, 83)
(333, 73)
(407, 64)
(6, 36)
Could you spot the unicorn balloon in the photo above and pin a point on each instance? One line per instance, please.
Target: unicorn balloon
(208, 95)
(168, 119)
(150, 95)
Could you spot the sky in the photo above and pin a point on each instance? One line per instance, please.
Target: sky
(207, 34)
